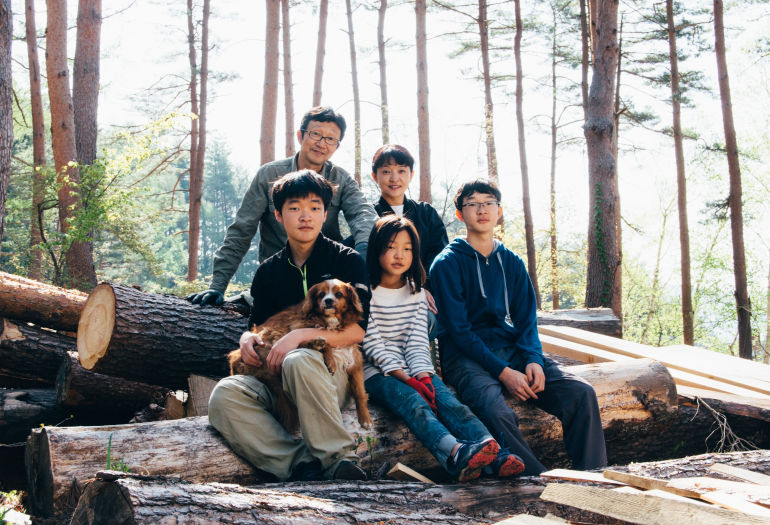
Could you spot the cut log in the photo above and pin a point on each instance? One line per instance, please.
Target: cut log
(597, 320)
(40, 303)
(630, 395)
(30, 356)
(750, 407)
(22, 410)
(152, 338)
(83, 388)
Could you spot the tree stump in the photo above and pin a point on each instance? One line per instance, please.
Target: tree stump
(40, 303)
(21, 410)
(155, 339)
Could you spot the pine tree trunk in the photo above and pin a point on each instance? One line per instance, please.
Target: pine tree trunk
(603, 264)
(735, 198)
(585, 39)
(617, 286)
(766, 353)
(6, 105)
(79, 266)
(85, 79)
(288, 84)
(383, 76)
(34, 270)
(192, 236)
(528, 224)
(655, 281)
(423, 121)
(554, 130)
(270, 87)
(489, 121)
(681, 182)
(323, 15)
(356, 96)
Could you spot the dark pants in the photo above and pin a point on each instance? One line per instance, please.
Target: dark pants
(566, 396)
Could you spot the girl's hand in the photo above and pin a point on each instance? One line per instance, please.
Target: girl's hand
(428, 393)
(431, 302)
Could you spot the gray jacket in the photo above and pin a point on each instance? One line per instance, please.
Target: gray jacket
(257, 211)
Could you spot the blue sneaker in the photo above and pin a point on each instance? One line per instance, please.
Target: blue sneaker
(469, 460)
(505, 465)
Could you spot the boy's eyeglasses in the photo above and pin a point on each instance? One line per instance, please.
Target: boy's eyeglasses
(314, 135)
(481, 205)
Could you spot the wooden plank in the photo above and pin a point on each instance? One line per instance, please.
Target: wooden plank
(731, 374)
(643, 509)
(742, 474)
(733, 502)
(401, 472)
(579, 475)
(754, 493)
(200, 390)
(647, 483)
(754, 369)
(528, 519)
(667, 494)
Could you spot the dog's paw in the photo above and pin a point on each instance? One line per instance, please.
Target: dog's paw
(366, 422)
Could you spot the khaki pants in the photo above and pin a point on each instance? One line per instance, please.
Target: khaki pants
(241, 409)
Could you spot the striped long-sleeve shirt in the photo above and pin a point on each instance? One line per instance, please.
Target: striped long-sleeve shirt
(397, 333)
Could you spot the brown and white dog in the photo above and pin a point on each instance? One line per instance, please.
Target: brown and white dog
(332, 305)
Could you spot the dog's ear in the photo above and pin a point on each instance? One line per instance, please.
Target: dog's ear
(309, 302)
(356, 312)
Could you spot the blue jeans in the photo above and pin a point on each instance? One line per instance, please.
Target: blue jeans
(455, 422)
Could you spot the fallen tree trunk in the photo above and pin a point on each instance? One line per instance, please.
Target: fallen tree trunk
(79, 387)
(598, 320)
(152, 338)
(630, 394)
(22, 410)
(121, 498)
(40, 303)
(30, 355)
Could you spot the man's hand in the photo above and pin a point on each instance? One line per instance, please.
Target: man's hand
(247, 343)
(536, 377)
(214, 297)
(517, 384)
(431, 302)
(286, 344)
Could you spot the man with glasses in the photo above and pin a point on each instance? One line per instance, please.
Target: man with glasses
(490, 345)
(320, 134)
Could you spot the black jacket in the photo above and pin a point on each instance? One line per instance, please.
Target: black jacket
(429, 226)
(278, 282)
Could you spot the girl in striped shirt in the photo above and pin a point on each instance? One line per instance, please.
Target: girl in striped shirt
(399, 372)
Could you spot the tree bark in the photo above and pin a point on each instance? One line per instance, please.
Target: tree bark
(632, 396)
(356, 96)
(85, 77)
(40, 303)
(383, 72)
(192, 255)
(554, 130)
(34, 270)
(598, 320)
(616, 301)
(31, 356)
(270, 87)
(489, 121)
(603, 264)
(585, 39)
(681, 181)
(79, 265)
(423, 121)
(735, 199)
(196, 177)
(323, 15)
(288, 84)
(6, 105)
(21, 410)
(155, 339)
(528, 224)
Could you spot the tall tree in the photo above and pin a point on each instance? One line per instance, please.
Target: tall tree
(192, 269)
(38, 144)
(489, 124)
(528, 225)
(681, 183)
(383, 75)
(288, 84)
(735, 198)
(270, 88)
(6, 105)
(603, 263)
(85, 79)
(423, 128)
(356, 98)
(585, 39)
(78, 259)
(320, 53)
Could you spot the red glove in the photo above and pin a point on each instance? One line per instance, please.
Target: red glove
(427, 391)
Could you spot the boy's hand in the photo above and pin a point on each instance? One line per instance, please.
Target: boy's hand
(517, 384)
(536, 377)
(283, 346)
(247, 343)
(431, 302)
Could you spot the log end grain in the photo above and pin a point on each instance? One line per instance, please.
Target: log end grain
(96, 324)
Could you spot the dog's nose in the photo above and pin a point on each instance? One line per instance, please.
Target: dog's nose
(328, 302)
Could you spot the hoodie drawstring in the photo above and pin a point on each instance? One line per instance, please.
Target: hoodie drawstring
(508, 319)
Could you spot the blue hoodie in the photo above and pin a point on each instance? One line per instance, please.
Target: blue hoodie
(470, 292)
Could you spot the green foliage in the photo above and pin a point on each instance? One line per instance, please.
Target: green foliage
(112, 464)
(370, 442)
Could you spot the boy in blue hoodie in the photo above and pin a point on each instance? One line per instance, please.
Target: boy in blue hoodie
(487, 305)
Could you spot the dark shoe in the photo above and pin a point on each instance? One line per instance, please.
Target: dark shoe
(506, 465)
(471, 458)
(348, 470)
(307, 471)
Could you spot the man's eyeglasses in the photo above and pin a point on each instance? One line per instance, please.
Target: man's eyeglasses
(481, 205)
(314, 135)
